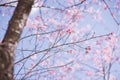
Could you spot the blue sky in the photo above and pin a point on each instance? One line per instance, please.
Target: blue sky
(107, 25)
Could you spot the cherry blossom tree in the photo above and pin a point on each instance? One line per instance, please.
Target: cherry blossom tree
(61, 40)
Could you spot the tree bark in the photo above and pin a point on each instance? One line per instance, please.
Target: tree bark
(11, 38)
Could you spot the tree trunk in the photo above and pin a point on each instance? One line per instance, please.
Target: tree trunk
(11, 38)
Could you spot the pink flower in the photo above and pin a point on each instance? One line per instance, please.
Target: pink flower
(68, 31)
(52, 72)
(34, 56)
(90, 10)
(88, 48)
(112, 77)
(89, 73)
(97, 52)
(105, 7)
(70, 51)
